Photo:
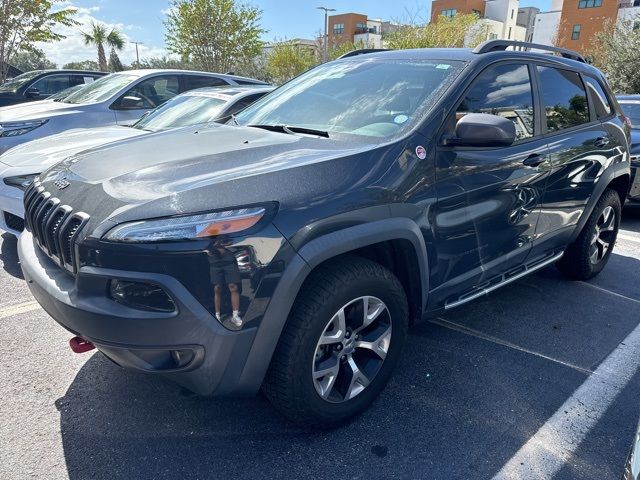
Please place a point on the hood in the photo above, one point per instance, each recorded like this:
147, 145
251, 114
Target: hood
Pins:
37, 110
215, 164
44, 152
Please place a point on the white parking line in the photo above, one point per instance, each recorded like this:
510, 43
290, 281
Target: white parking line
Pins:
592, 285
559, 438
475, 333
18, 308
629, 238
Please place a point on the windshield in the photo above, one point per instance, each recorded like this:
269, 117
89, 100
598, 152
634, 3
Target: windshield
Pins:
100, 90
373, 98
17, 82
184, 110
632, 112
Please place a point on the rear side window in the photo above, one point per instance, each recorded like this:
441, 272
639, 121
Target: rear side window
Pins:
503, 90
192, 82
564, 98
599, 98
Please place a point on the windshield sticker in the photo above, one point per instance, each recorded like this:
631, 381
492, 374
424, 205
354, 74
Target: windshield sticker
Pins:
421, 152
400, 119
443, 66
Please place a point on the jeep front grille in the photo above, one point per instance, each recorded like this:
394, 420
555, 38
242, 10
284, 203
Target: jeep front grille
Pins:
55, 227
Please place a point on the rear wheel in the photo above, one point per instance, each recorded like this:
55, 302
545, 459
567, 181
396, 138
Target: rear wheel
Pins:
341, 343
589, 253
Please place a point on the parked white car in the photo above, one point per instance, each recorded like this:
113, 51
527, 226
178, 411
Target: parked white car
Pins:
117, 99
20, 165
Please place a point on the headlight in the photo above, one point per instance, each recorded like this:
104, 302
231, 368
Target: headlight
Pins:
187, 227
13, 129
20, 181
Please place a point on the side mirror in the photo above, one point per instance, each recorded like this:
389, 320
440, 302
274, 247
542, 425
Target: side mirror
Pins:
483, 130
32, 92
130, 103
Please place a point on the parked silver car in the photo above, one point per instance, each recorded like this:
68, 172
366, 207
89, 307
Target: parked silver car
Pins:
20, 165
120, 98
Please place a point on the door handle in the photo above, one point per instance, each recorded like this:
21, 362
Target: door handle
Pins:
533, 160
601, 142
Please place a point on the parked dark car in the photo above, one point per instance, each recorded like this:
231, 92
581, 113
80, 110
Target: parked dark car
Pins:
375, 190
40, 84
631, 107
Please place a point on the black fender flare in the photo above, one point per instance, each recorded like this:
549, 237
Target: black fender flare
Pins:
601, 185
307, 258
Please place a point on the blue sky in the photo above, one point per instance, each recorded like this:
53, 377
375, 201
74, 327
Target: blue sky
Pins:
142, 20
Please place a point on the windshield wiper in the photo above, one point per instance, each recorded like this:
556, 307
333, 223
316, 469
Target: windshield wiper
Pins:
292, 130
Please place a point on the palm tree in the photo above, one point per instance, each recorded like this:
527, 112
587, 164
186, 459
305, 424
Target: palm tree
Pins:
98, 37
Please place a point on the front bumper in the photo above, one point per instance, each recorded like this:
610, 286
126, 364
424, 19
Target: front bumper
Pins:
11, 202
141, 340
634, 191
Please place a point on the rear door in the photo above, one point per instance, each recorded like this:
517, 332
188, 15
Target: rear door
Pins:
50, 84
580, 145
489, 198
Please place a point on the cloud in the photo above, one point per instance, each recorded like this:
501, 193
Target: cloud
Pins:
73, 49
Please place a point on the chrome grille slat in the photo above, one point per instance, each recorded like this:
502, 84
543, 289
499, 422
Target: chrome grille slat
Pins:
55, 227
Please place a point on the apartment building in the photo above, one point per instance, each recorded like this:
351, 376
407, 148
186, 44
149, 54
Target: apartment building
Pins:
358, 28
527, 20
499, 18
547, 25
582, 19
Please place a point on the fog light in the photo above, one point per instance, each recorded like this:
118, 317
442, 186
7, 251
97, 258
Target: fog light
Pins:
142, 296
182, 357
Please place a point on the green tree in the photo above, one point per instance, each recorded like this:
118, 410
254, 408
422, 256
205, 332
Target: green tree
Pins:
616, 51
165, 62
214, 34
25, 22
115, 65
461, 30
35, 59
83, 65
336, 51
287, 60
99, 36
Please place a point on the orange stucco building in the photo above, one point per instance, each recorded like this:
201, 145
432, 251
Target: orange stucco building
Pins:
450, 7
582, 19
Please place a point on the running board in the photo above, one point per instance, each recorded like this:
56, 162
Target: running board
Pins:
503, 280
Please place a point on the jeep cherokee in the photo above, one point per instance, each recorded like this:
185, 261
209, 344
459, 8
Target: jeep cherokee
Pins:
292, 248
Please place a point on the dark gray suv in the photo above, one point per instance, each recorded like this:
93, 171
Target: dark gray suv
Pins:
292, 248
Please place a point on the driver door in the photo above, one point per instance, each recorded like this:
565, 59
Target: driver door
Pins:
144, 96
489, 198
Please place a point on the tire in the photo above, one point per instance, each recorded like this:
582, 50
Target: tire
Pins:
580, 261
292, 384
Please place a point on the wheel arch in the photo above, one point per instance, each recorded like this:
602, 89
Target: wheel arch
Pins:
401, 243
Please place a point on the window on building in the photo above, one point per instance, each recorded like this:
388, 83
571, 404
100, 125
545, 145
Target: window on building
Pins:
564, 98
575, 33
450, 12
338, 28
512, 14
503, 90
509, 34
589, 3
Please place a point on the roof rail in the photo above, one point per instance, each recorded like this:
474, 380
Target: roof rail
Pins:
362, 51
501, 45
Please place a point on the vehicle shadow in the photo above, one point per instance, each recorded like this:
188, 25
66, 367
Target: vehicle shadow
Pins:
9, 255
631, 219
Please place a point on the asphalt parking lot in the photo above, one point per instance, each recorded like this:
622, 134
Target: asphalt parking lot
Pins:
538, 380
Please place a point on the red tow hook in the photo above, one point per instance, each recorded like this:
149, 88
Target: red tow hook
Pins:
80, 345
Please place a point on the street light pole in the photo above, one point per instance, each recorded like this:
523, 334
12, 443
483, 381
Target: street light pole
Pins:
137, 55
325, 43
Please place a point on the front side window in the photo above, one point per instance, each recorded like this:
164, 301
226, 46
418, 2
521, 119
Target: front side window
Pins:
564, 98
153, 91
361, 97
503, 90
52, 84
589, 3
575, 33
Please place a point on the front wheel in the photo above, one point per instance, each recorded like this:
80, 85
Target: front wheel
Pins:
589, 253
340, 345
